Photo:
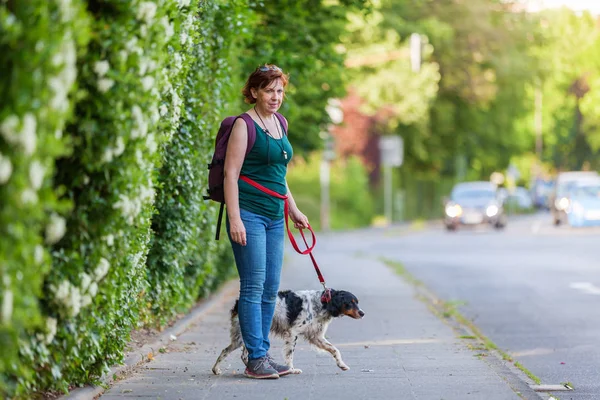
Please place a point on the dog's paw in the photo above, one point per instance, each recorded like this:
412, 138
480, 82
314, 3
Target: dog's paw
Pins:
296, 371
344, 367
216, 371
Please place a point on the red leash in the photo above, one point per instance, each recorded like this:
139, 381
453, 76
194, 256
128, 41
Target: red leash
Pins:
326, 297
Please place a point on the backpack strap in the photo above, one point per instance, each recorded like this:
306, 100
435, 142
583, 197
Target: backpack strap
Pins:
283, 122
251, 130
251, 140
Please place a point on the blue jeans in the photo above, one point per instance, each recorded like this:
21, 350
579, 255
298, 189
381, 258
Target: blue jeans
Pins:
259, 266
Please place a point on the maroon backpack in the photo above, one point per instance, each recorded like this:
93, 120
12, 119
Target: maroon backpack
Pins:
216, 168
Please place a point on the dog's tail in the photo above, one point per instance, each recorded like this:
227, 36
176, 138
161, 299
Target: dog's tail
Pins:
234, 310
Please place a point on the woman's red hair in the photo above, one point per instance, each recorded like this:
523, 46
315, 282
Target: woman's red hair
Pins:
262, 77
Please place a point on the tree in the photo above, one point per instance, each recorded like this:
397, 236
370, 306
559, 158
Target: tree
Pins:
302, 37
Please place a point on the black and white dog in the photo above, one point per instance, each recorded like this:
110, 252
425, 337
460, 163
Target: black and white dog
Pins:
299, 313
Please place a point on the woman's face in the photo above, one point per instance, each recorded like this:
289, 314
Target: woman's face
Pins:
270, 97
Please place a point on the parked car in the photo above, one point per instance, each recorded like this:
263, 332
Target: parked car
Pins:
474, 203
559, 200
584, 203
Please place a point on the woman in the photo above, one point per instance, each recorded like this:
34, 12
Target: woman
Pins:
255, 219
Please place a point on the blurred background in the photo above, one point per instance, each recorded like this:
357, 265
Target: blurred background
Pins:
473, 89
479, 119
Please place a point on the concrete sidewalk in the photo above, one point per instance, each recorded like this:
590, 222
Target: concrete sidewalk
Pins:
400, 350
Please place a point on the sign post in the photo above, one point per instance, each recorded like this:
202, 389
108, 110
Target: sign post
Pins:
336, 115
391, 149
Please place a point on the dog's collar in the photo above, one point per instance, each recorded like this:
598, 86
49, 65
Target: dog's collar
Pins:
326, 296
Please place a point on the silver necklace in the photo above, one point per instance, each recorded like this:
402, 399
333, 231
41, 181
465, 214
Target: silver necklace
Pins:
285, 154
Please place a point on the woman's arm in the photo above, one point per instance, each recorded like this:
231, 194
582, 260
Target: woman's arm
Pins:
300, 220
236, 152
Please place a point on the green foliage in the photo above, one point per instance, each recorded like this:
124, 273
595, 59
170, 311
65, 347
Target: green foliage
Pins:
570, 91
88, 184
472, 106
38, 41
351, 203
182, 263
301, 37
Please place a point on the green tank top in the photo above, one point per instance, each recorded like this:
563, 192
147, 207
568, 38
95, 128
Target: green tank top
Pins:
265, 164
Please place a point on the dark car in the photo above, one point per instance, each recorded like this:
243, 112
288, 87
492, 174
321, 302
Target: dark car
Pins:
474, 203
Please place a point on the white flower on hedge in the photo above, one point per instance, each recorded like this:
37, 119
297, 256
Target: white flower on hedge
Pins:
189, 21
67, 10
73, 301
110, 239
56, 229
28, 136
38, 254
140, 125
147, 83
169, 30
131, 44
139, 157
86, 179
9, 20
101, 68
144, 31
86, 281
129, 208
183, 38
8, 128
152, 65
123, 55
151, 143
5, 169
120, 147
102, 269
184, 3
164, 110
178, 61
108, 155
51, 325
29, 196
62, 291
93, 289
104, 84
146, 12
154, 114
7, 306
61, 84
144, 63
86, 300
147, 192
36, 174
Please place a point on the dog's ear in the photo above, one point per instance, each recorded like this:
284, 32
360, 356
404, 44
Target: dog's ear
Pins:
334, 306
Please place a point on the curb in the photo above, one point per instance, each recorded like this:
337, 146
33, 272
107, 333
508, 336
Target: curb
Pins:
519, 382
139, 356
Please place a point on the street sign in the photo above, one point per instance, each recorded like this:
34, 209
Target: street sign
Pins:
391, 149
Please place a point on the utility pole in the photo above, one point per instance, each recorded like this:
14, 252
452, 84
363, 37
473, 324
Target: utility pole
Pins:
337, 116
538, 122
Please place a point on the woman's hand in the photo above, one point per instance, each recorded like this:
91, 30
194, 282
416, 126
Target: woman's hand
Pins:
300, 221
237, 231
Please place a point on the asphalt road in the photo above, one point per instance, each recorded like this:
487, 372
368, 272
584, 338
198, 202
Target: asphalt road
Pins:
533, 289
